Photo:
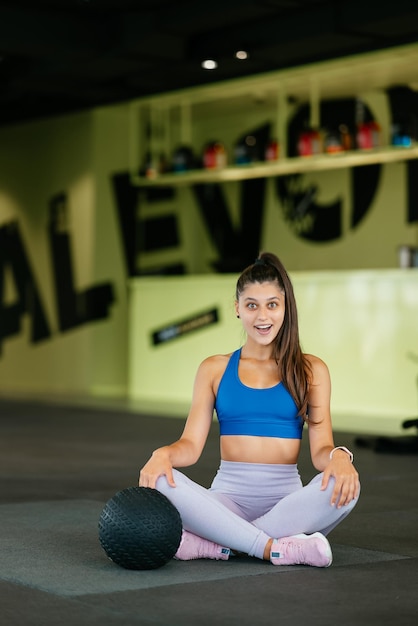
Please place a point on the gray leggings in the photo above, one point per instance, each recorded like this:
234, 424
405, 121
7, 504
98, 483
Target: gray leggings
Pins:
248, 503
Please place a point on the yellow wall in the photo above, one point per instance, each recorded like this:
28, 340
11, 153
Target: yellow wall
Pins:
372, 244
37, 161
78, 154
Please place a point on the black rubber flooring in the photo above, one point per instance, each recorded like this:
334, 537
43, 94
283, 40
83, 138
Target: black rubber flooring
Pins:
61, 463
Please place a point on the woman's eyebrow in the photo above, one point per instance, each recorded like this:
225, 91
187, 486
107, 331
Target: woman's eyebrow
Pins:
255, 299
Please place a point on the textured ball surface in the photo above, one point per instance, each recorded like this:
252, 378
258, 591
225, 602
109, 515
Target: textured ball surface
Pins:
139, 528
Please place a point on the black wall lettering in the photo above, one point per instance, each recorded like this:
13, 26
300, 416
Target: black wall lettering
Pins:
309, 219
412, 188
364, 183
403, 103
157, 233
14, 257
144, 235
236, 248
126, 196
214, 210
73, 308
252, 214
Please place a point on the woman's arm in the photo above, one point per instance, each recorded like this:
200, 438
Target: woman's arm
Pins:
321, 439
186, 450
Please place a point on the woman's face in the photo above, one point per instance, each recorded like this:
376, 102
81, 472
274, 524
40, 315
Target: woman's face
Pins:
261, 307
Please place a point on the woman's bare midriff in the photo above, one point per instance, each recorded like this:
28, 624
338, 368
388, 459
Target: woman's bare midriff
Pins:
249, 449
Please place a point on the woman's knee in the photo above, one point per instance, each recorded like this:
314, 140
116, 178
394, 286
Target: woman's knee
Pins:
162, 482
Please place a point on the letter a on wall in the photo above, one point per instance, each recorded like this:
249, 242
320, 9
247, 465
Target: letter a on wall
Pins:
13, 259
73, 308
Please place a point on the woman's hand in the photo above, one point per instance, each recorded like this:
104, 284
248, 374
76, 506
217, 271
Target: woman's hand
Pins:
347, 484
158, 465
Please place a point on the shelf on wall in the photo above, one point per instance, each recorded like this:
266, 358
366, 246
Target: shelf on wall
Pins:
282, 167
352, 77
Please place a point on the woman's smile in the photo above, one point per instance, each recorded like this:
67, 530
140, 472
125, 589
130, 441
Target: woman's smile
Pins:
264, 329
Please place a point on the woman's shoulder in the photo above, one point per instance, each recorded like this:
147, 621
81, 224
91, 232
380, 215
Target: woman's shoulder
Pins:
212, 368
216, 360
318, 367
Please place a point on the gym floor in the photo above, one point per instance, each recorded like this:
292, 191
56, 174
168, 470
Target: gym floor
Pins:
61, 462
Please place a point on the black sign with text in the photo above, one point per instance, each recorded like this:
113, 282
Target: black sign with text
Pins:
183, 327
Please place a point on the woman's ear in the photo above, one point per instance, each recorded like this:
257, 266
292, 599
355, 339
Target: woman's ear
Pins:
236, 308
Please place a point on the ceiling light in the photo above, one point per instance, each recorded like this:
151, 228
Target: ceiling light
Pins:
241, 55
209, 64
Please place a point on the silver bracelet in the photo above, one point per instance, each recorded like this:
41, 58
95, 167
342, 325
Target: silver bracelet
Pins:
350, 454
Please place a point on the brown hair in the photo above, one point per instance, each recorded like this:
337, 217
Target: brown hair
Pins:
293, 365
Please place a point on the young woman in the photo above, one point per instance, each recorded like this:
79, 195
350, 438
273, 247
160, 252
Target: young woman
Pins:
263, 394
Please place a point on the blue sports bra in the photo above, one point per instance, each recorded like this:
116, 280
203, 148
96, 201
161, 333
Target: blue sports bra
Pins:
243, 410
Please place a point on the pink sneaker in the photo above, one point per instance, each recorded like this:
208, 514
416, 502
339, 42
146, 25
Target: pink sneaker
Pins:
194, 547
302, 550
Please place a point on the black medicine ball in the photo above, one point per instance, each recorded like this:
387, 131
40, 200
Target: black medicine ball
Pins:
139, 528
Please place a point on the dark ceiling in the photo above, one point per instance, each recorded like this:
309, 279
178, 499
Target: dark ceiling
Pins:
59, 56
